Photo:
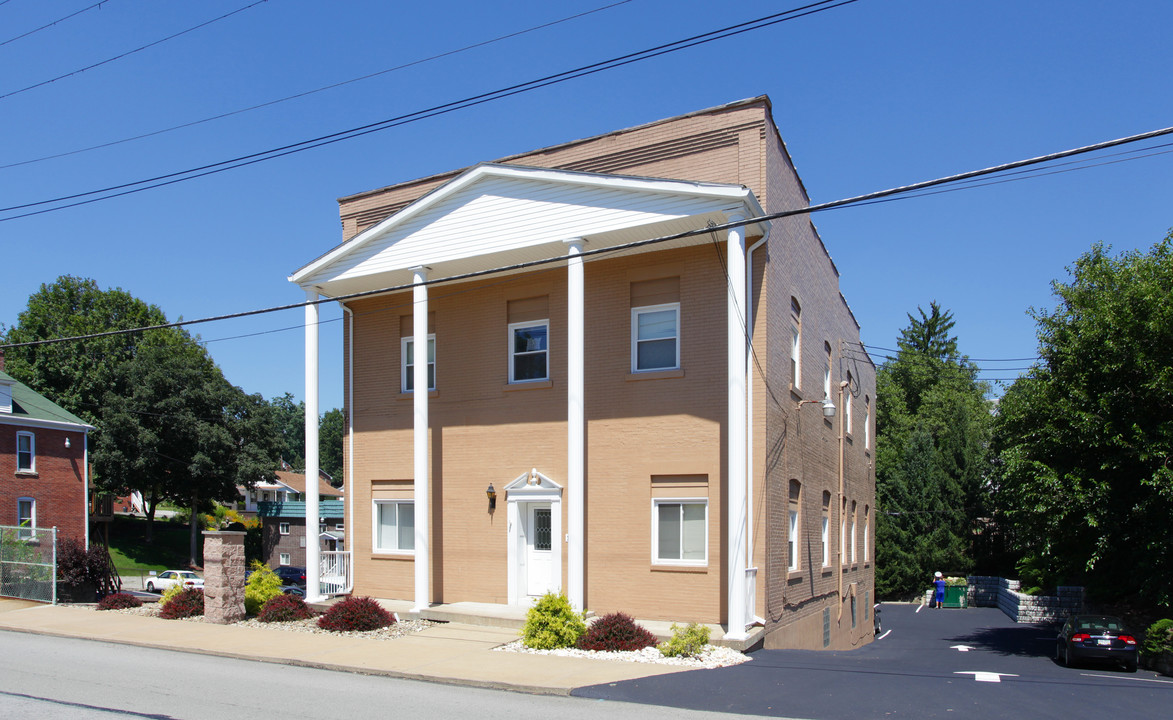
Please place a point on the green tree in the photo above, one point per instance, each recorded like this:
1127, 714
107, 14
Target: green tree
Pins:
933, 427
290, 418
330, 441
1085, 440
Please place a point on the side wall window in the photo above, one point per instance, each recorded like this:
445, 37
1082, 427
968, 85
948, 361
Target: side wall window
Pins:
26, 516
826, 529
795, 343
394, 523
827, 372
793, 548
655, 324
407, 364
26, 452
680, 531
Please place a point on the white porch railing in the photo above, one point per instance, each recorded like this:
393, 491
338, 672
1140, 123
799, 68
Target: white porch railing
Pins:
335, 574
751, 594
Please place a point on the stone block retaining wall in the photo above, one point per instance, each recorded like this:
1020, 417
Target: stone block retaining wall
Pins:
985, 591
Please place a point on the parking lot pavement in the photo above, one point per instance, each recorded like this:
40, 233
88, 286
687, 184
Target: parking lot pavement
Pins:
951, 663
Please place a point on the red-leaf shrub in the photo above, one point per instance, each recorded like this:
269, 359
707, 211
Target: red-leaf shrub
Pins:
119, 601
355, 613
189, 602
614, 632
284, 608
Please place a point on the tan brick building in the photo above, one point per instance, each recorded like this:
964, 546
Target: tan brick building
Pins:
641, 379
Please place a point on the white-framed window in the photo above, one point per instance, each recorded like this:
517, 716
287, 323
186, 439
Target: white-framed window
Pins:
843, 532
655, 337
853, 518
867, 517
795, 343
827, 372
680, 531
26, 452
407, 363
338, 526
867, 423
394, 522
26, 516
529, 351
321, 527
284, 559
283, 528
826, 544
792, 539
847, 403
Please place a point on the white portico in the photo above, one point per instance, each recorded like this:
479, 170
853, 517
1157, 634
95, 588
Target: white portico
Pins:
500, 220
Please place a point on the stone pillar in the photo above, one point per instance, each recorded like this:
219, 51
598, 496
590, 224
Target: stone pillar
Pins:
223, 576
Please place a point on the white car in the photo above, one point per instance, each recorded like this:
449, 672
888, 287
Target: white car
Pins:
170, 578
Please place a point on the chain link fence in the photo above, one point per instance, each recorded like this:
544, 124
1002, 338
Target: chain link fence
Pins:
28, 563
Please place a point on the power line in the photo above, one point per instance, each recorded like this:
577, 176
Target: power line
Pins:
306, 93
625, 246
350, 134
129, 52
954, 357
49, 25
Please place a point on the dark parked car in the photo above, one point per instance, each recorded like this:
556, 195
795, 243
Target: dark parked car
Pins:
1096, 637
291, 575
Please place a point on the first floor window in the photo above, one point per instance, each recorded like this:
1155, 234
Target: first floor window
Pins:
826, 545
681, 531
26, 452
338, 526
792, 542
26, 517
407, 352
394, 526
655, 337
284, 559
283, 528
866, 522
528, 351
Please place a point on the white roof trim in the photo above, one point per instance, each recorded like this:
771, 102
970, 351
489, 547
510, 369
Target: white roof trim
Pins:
733, 194
6, 419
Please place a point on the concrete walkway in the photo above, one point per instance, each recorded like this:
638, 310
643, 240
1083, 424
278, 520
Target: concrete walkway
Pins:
450, 653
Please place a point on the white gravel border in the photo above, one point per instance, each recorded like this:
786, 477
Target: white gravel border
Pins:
713, 656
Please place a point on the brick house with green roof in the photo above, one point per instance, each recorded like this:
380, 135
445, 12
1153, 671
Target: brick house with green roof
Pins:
44, 462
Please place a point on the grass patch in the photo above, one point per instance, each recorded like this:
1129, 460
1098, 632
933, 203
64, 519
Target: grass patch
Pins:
133, 555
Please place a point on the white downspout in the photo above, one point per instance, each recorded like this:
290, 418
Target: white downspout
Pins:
313, 558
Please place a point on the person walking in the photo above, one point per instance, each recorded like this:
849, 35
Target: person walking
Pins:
938, 590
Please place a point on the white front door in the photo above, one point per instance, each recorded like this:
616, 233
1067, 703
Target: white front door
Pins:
539, 555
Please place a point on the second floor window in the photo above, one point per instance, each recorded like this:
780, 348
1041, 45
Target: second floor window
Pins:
407, 352
26, 452
655, 337
529, 351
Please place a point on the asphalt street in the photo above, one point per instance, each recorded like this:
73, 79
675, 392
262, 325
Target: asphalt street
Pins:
950, 663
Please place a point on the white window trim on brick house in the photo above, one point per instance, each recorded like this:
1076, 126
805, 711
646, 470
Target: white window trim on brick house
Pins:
681, 502
283, 528
387, 548
283, 559
30, 517
29, 466
407, 370
792, 540
637, 340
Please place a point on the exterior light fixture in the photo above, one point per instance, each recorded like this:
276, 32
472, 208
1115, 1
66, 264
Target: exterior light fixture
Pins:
828, 408
492, 495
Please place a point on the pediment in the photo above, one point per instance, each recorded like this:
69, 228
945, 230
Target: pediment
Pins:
532, 482
495, 216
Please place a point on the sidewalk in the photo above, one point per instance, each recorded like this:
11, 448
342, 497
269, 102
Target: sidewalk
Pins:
451, 653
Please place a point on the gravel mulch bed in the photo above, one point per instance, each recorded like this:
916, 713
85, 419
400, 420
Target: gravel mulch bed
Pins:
712, 656
309, 625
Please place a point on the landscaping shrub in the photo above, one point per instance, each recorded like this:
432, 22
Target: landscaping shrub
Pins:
188, 602
262, 585
616, 632
686, 641
119, 601
552, 623
1159, 638
80, 570
355, 613
170, 593
284, 608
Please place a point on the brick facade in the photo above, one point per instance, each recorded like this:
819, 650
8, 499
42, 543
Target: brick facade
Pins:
57, 485
660, 435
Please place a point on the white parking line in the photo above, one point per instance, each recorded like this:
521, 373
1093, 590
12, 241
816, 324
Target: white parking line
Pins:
920, 607
982, 676
886, 634
1119, 677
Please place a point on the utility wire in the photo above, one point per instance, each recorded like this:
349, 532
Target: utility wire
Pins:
49, 25
129, 52
625, 246
557, 78
952, 358
306, 93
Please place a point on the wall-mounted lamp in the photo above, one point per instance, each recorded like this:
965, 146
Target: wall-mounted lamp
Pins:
492, 495
828, 406
67, 443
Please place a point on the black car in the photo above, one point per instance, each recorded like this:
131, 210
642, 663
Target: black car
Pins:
1096, 637
291, 575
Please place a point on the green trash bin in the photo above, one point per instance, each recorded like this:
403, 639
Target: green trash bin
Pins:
956, 596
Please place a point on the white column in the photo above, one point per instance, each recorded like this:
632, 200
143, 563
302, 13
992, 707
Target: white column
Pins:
575, 424
420, 437
737, 511
313, 589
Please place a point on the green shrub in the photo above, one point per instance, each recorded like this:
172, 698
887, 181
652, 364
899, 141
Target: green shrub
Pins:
1159, 638
956, 582
284, 608
616, 632
188, 602
170, 593
262, 585
552, 623
355, 614
119, 601
686, 641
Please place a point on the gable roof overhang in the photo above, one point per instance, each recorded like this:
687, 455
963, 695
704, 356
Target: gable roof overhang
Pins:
503, 216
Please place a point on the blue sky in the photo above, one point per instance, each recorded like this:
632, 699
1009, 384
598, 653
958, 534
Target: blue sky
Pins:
871, 95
